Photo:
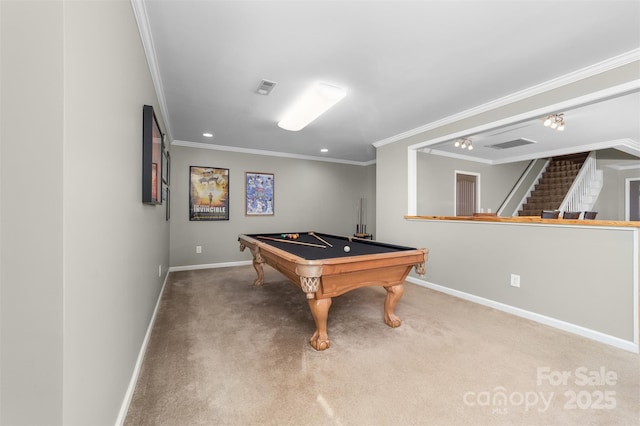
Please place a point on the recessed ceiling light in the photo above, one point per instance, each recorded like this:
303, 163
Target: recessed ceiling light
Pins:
207, 135
324, 150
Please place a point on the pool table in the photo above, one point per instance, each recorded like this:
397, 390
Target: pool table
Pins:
323, 268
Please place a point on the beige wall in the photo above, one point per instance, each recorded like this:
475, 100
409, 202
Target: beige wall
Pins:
31, 156
80, 252
611, 203
477, 259
436, 176
309, 196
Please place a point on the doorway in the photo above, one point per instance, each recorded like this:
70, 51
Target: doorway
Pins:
632, 204
467, 194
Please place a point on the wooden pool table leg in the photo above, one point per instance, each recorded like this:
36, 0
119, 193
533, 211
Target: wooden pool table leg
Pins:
320, 311
394, 293
257, 264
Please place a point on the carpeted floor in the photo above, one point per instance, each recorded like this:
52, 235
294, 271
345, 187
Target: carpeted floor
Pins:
225, 353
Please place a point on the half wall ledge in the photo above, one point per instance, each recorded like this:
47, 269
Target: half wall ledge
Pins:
582, 276
532, 219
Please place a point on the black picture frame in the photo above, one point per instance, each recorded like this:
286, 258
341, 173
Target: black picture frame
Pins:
152, 172
208, 193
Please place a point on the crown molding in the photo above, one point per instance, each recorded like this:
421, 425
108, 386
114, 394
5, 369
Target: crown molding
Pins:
623, 167
140, 13
590, 71
567, 104
267, 153
625, 145
620, 144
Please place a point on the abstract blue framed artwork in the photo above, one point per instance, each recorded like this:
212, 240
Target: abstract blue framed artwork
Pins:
259, 200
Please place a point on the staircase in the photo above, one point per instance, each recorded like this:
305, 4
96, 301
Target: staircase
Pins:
552, 188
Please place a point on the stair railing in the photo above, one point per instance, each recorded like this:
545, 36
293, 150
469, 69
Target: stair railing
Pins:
526, 192
515, 186
581, 186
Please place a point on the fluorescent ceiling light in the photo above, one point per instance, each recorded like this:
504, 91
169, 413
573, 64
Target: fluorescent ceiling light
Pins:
313, 103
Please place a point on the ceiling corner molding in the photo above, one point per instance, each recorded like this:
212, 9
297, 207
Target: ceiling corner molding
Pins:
621, 167
457, 156
201, 145
630, 147
598, 68
140, 13
619, 144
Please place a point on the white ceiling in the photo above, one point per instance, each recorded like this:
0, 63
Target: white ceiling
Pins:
404, 64
607, 123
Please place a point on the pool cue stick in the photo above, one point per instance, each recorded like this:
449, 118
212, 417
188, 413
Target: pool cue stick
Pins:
290, 242
314, 235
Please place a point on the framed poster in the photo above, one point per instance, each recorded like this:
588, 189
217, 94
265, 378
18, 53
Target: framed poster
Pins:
152, 171
208, 193
259, 194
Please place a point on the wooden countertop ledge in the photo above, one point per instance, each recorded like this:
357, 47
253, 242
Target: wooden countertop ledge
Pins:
532, 219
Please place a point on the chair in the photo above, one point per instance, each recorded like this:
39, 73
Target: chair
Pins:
590, 215
571, 215
550, 214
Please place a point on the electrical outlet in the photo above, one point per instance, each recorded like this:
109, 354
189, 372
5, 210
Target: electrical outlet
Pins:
198, 249
515, 280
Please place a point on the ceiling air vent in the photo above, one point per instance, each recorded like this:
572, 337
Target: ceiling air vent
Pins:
265, 87
511, 144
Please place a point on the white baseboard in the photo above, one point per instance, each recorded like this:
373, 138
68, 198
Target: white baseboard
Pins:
210, 265
631, 346
124, 408
628, 345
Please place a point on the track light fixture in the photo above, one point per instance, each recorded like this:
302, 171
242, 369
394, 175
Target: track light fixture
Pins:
555, 121
464, 143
